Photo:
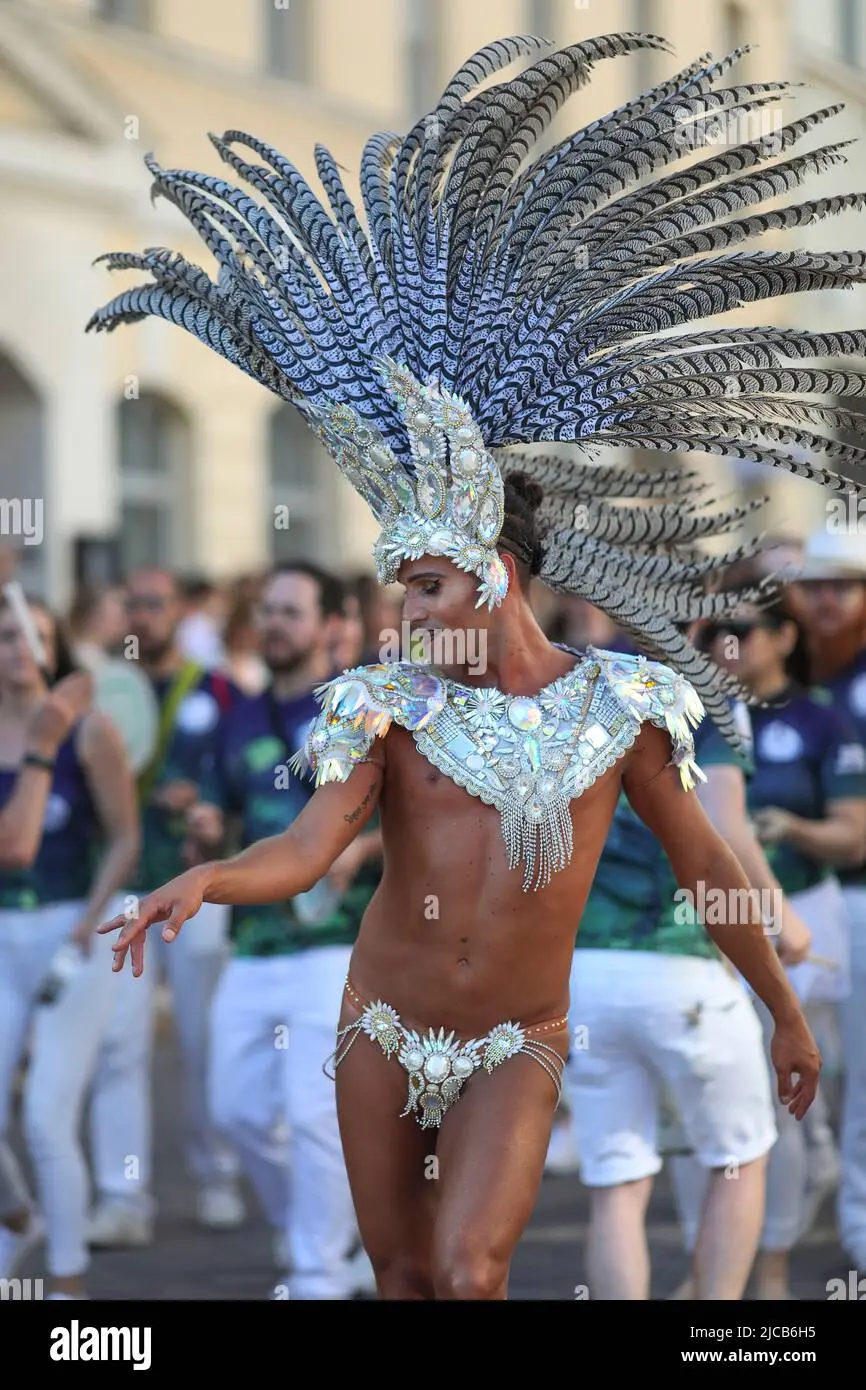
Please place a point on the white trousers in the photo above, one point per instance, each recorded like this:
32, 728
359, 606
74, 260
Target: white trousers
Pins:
121, 1109
802, 1152
641, 1022
852, 1190
274, 1025
64, 1040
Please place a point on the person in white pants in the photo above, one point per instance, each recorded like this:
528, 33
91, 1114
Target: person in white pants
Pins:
852, 1188
190, 701
830, 596
70, 838
278, 1001
656, 1012
121, 1110
807, 799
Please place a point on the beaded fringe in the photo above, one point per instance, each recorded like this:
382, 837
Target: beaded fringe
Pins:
544, 846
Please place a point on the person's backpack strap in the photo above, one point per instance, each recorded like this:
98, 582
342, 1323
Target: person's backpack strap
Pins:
188, 676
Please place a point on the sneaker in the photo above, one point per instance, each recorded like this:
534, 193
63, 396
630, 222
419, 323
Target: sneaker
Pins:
115, 1227
362, 1280
562, 1156
220, 1208
15, 1247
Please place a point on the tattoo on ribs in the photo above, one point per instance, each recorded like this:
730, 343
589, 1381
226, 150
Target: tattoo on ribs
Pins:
353, 815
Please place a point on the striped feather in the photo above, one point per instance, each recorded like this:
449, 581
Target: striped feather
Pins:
575, 294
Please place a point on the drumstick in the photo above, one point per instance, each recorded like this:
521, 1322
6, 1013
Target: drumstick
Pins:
14, 596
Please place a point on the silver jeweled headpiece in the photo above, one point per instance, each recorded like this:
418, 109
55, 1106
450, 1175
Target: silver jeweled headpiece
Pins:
450, 503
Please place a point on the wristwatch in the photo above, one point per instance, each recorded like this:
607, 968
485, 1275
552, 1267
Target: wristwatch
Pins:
37, 760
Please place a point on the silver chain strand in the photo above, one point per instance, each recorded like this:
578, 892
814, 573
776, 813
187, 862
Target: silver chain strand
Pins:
438, 1066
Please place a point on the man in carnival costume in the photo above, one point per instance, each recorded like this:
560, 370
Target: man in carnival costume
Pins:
490, 302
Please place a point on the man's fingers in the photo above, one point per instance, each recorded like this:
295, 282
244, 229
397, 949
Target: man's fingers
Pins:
137, 954
174, 924
785, 1084
113, 925
807, 1086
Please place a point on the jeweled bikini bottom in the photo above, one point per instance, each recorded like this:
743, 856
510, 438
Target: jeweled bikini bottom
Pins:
437, 1064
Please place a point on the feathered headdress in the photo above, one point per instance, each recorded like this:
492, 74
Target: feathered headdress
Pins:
494, 301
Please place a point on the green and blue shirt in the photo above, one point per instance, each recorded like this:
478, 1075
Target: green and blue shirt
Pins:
848, 691
189, 757
807, 754
71, 838
252, 782
632, 905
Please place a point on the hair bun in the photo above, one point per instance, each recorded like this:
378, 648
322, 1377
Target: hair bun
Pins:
526, 488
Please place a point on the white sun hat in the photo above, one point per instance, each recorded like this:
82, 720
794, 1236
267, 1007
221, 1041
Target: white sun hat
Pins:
837, 554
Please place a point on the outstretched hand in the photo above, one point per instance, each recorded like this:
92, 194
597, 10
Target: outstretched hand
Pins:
173, 904
794, 1052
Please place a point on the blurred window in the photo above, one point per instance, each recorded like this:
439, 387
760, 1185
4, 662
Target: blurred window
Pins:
299, 468
153, 455
646, 21
540, 20
421, 64
733, 30
134, 12
288, 32
850, 17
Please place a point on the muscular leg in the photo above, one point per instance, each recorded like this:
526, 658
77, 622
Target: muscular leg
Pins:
491, 1151
392, 1181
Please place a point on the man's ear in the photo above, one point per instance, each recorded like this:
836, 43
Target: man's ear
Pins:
510, 564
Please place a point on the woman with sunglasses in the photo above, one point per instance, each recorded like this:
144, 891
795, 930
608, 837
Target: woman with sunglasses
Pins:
69, 850
807, 801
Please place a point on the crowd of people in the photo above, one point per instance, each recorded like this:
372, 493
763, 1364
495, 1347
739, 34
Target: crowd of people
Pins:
102, 799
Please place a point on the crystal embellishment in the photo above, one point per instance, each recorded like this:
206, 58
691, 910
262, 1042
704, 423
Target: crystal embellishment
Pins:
437, 1065
380, 1023
529, 756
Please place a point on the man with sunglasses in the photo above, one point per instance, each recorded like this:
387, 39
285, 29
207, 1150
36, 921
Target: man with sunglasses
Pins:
274, 1011
830, 599
191, 700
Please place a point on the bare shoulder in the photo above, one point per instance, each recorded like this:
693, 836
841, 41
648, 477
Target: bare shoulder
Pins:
648, 757
98, 738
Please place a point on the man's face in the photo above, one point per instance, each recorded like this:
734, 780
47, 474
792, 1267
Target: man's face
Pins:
831, 607
347, 648
290, 622
440, 597
153, 611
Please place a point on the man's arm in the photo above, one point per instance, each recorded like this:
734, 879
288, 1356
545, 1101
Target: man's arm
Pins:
279, 867
838, 840
700, 858
285, 865
21, 820
723, 797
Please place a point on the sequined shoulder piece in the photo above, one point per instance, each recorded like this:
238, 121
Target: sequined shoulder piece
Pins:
656, 694
359, 706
